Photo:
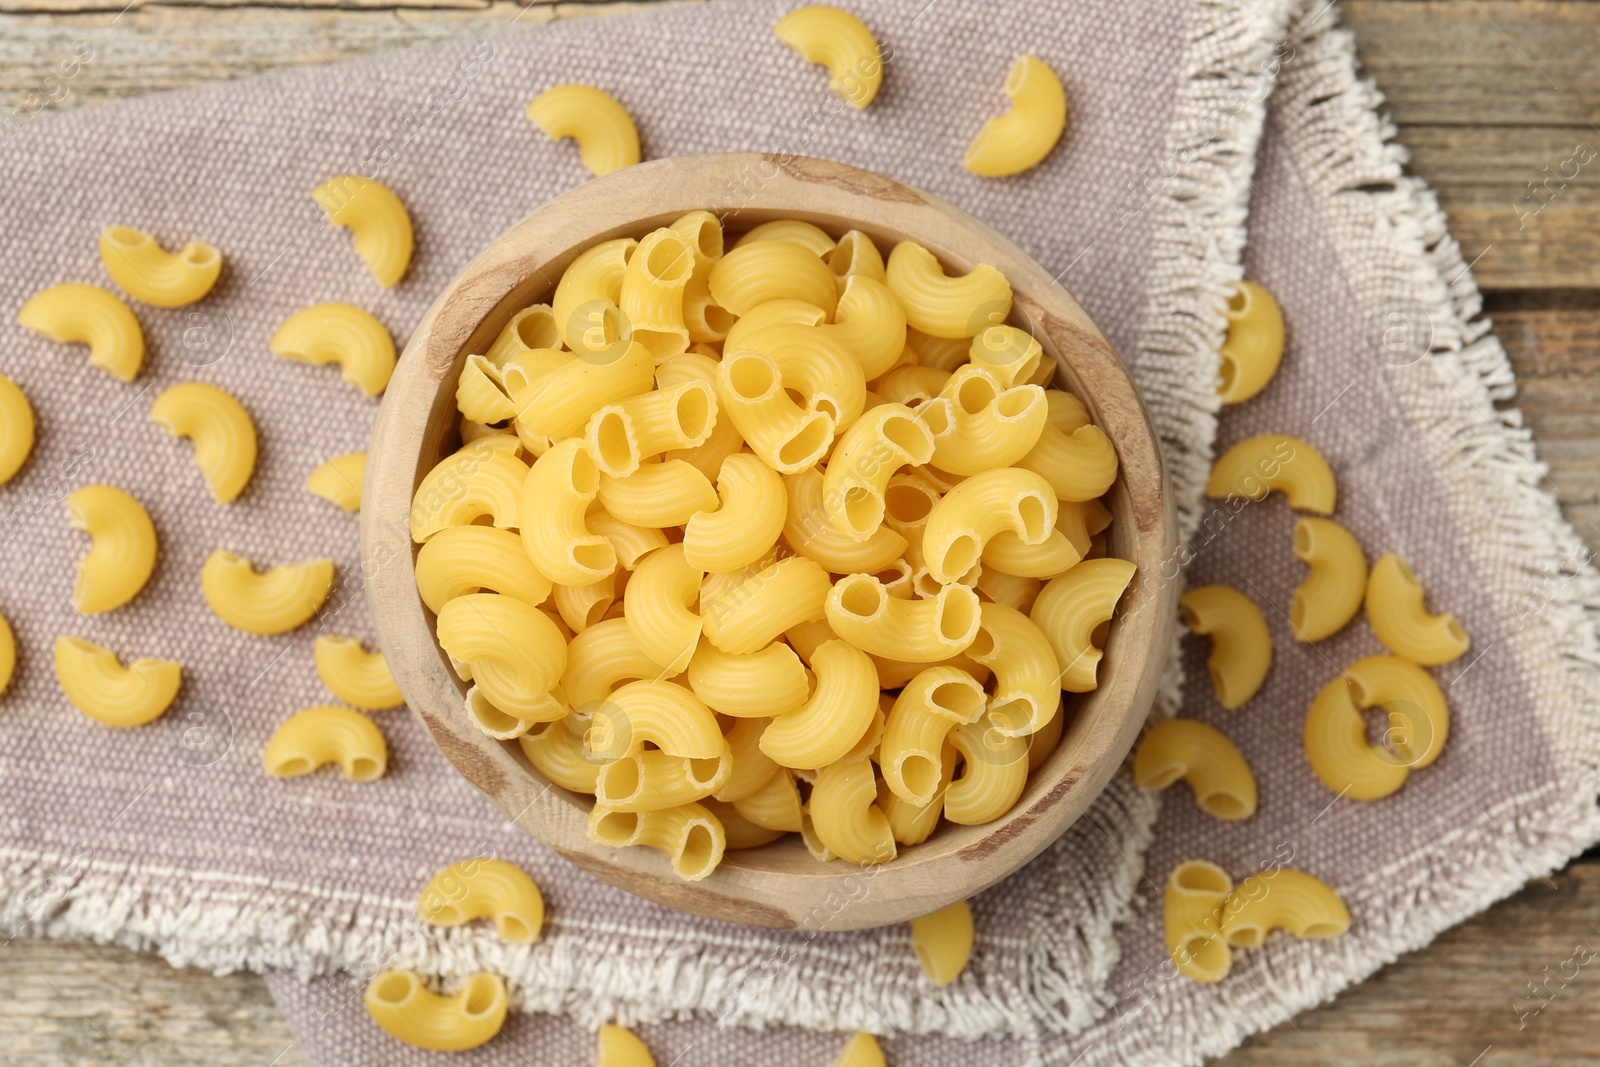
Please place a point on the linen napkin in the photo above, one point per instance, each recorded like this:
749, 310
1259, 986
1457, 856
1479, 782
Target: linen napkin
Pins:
170, 837
1390, 371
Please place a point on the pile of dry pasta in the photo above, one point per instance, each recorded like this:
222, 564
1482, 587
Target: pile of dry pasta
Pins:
783, 537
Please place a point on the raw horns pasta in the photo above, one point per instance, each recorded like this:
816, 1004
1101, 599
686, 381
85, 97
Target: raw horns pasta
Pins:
710, 577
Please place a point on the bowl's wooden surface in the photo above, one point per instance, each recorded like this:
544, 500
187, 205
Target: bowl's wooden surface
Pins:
779, 885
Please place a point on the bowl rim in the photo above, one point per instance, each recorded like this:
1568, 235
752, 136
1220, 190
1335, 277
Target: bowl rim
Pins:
764, 887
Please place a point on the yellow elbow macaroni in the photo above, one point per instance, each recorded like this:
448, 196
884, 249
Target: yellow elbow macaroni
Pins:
1418, 724
861, 1051
376, 219
98, 685
1022, 137
1200, 755
685, 555
87, 314
839, 41
836, 715
1241, 645
224, 436
939, 304
354, 675
342, 334
752, 506
845, 814
1269, 463
620, 1048
943, 942
339, 480
606, 136
147, 272
409, 1011
688, 835
283, 598
16, 429
8, 654
1282, 899
482, 888
325, 735
1191, 920
1254, 347
1398, 616
1335, 583
122, 554
1071, 608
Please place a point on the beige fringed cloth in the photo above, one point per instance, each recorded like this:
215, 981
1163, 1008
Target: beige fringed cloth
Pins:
1193, 123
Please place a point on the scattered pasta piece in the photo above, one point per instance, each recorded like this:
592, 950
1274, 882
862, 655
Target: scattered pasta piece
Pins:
1260, 465
354, 675
339, 480
123, 550
8, 654
861, 1051
318, 736
1336, 743
224, 436
1335, 584
410, 1012
1282, 899
1396, 611
482, 888
275, 602
103, 689
839, 41
90, 315
1254, 346
1199, 754
16, 429
621, 1048
1191, 920
376, 219
341, 334
1022, 137
1241, 644
943, 942
147, 272
606, 136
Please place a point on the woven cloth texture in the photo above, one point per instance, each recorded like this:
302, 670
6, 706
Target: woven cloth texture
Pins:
1391, 372
187, 848
175, 840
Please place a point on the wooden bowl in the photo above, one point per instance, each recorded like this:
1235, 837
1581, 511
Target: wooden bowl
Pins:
779, 885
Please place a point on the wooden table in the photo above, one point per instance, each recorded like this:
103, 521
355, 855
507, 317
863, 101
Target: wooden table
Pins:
1490, 95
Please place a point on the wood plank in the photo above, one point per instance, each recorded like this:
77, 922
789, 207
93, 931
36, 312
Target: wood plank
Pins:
1482, 62
154, 48
1524, 200
1555, 352
70, 1003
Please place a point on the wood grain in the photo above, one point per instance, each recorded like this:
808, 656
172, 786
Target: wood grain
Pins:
68, 1002
1487, 94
